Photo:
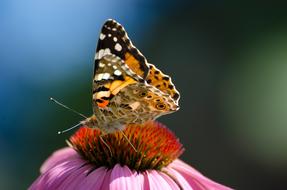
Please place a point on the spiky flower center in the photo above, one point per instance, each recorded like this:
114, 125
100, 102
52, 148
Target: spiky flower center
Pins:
156, 146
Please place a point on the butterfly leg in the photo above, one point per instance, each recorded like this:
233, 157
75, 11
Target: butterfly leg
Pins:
129, 141
110, 150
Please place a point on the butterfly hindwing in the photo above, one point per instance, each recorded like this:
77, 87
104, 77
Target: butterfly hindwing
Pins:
141, 101
114, 40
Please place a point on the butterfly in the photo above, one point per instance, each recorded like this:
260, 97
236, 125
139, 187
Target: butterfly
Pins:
126, 88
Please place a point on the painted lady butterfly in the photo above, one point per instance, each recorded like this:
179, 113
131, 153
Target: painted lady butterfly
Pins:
126, 89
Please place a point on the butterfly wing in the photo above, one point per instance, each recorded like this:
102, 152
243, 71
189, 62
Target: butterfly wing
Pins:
111, 76
140, 102
125, 86
114, 40
162, 82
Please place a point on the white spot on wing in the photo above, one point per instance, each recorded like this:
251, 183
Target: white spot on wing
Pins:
109, 35
118, 47
115, 39
102, 36
103, 94
101, 64
102, 52
114, 67
117, 72
99, 77
114, 60
107, 51
106, 76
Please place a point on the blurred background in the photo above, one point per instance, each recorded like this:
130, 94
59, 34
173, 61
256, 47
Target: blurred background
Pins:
228, 60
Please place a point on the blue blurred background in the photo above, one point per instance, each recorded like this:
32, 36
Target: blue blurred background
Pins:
228, 60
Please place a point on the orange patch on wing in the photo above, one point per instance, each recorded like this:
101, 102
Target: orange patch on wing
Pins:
161, 82
133, 64
107, 85
117, 85
103, 104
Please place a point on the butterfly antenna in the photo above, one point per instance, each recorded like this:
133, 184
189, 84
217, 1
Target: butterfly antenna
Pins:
64, 131
129, 141
106, 145
64, 106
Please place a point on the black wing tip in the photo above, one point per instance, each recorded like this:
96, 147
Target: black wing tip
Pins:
113, 26
111, 22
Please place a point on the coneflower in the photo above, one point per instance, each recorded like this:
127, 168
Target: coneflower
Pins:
89, 164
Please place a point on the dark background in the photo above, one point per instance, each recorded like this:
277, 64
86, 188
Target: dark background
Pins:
227, 58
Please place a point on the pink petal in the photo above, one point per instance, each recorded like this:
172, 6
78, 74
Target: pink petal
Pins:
169, 180
106, 181
55, 176
74, 177
65, 169
58, 157
142, 180
71, 175
157, 182
181, 180
95, 179
179, 162
194, 178
123, 178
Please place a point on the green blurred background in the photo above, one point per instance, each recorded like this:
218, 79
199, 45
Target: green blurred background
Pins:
228, 60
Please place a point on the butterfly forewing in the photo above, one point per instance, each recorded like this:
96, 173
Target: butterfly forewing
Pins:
111, 76
162, 82
114, 39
